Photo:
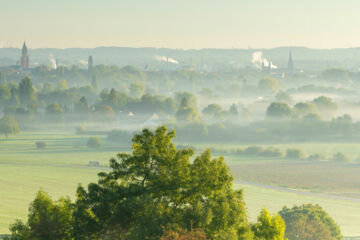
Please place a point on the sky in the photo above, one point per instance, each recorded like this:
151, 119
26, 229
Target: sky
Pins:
183, 24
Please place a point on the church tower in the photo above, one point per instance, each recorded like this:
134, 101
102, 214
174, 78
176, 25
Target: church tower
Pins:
24, 60
90, 63
290, 64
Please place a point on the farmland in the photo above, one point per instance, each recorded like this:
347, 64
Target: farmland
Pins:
24, 169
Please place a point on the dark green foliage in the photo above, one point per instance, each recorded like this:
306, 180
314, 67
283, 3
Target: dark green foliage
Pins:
325, 104
156, 186
95, 82
95, 142
213, 110
253, 150
309, 222
186, 111
233, 110
339, 157
316, 157
40, 145
26, 91
9, 125
294, 153
261, 152
304, 109
82, 110
47, 220
136, 89
278, 110
54, 112
181, 234
4, 94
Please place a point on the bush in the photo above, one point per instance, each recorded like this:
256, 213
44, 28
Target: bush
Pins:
309, 222
294, 153
272, 152
94, 142
40, 145
278, 110
80, 130
339, 157
316, 157
253, 150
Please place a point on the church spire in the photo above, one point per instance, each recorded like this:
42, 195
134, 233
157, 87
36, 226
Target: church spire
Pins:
24, 49
24, 61
290, 63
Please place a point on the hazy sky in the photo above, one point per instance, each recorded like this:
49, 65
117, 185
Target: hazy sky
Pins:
180, 23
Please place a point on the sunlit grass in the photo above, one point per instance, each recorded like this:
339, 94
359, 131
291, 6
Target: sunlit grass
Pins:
63, 164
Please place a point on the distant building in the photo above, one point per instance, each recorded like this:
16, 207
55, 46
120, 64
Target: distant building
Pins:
24, 60
266, 69
290, 68
90, 63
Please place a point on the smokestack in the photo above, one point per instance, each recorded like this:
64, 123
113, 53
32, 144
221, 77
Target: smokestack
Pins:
167, 63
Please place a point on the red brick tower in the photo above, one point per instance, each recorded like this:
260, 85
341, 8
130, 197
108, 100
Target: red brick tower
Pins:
24, 61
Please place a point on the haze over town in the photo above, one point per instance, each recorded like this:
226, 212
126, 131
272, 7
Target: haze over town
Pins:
179, 120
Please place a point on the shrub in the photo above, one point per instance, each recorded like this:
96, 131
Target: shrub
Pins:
309, 222
272, 152
278, 110
315, 157
339, 157
294, 153
94, 142
253, 150
80, 130
40, 145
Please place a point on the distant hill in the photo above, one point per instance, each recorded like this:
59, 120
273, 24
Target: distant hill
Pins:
215, 59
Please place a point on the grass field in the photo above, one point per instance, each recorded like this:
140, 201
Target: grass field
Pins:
60, 167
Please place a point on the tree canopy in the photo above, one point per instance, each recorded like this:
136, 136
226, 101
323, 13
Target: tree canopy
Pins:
9, 125
309, 222
158, 184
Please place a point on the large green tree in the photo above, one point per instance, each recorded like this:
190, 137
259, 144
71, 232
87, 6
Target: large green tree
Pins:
26, 91
186, 111
157, 187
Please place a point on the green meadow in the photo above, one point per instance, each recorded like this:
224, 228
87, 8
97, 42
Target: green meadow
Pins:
64, 163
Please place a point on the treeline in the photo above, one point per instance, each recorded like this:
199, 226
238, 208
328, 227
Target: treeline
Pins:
290, 153
156, 192
106, 76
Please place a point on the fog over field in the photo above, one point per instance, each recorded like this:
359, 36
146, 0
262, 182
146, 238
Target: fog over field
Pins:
158, 120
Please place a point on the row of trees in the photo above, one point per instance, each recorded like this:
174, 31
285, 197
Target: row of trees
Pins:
320, 106
156, 192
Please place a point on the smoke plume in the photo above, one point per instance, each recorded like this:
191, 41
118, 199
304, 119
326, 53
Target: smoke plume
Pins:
258, 60
52, 62
165, 59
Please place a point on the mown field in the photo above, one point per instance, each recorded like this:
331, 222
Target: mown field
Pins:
64, 163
